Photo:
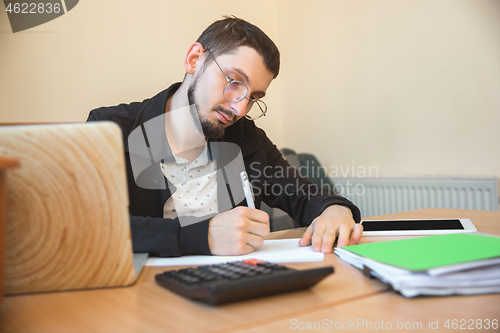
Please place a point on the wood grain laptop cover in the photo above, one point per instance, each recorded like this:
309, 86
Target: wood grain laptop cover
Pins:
67, 223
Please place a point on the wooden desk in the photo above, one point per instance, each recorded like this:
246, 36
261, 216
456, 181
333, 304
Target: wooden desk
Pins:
390, 307
147, 307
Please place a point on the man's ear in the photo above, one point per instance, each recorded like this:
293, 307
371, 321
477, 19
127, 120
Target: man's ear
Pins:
193, 57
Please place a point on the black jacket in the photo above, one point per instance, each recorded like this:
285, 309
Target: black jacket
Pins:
272, 178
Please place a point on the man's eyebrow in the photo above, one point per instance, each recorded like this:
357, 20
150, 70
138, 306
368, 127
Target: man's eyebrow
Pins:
247, 81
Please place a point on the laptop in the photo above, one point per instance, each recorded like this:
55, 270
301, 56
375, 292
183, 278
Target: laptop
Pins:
67, 225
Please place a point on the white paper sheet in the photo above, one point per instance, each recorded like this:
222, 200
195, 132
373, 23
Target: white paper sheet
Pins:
276, 250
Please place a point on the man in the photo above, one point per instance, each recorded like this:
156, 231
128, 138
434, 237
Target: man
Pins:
188, 131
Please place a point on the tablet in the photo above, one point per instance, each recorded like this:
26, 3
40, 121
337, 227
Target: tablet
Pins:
417, 227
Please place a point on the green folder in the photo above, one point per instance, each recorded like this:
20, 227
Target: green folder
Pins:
418, 254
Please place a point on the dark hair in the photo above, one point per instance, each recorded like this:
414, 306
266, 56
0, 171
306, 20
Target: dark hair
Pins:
226, 35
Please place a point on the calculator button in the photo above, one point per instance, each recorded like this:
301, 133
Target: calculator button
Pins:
253, 261
189, 279
239, 264
258, 269
207, 277
216, 271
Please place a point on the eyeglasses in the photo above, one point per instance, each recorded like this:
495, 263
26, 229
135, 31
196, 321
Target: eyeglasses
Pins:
235, 91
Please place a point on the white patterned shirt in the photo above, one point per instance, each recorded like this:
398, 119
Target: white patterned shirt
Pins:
196, 183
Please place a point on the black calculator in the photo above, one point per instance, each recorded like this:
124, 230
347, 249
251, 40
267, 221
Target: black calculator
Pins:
235, 281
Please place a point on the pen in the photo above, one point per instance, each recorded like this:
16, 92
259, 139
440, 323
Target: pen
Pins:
247, 188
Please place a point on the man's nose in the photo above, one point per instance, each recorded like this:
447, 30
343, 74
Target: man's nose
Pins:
240, 107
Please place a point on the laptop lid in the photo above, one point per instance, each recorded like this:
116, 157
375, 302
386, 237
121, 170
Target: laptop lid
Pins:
67, 223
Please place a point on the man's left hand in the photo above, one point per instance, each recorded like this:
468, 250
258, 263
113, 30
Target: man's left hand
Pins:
335, 222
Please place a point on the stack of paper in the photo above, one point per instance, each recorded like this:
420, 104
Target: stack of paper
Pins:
436, 265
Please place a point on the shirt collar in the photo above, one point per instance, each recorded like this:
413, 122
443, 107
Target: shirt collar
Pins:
201, 160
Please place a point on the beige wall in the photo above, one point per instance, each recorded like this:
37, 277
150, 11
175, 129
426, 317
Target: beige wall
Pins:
408, 86
110, 52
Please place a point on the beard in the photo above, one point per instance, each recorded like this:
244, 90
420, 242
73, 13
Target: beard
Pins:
211, 129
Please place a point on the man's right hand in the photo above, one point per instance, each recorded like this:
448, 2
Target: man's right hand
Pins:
237, 231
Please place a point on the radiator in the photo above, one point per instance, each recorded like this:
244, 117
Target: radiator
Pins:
386, 195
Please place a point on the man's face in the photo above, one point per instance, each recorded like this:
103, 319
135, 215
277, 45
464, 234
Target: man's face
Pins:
206, 91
